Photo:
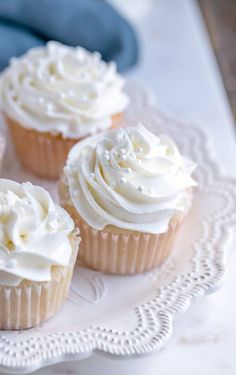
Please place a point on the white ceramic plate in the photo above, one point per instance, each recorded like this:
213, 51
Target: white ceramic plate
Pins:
124, 316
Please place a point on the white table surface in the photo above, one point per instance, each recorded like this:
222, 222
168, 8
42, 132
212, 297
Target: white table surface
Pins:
177, 64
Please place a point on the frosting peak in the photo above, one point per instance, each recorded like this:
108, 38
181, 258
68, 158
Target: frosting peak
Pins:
62, 90
33, 233
129, 178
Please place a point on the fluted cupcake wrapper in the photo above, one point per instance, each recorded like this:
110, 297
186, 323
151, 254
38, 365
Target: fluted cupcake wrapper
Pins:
42, 153
117, 251
31, 303
124, 254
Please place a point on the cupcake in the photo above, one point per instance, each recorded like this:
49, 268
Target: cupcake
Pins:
128, 191
54, 96
38, 248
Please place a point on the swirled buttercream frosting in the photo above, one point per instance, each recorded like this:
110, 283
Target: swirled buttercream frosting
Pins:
129, 178
33, 233
62, 90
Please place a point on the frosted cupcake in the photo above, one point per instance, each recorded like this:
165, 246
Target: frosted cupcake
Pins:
54, 96
38, 248
128, 191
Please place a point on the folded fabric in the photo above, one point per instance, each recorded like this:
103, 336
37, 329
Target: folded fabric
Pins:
92, 24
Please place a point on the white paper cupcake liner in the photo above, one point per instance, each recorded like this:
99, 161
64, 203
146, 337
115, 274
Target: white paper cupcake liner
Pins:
31, 303
42, 153
124, 254
116, 251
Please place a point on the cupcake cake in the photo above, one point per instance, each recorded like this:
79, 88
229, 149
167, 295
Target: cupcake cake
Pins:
38, 248
54, 96
128, 191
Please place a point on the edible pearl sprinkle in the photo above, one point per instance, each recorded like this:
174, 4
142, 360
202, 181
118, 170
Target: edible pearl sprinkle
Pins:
53, 223
12, 263
62, 95
123, 180
49, 106
107, 157
139, 149
41, 99
123, 151
123, 157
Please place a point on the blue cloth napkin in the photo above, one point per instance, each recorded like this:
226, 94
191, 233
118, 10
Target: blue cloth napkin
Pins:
92, 24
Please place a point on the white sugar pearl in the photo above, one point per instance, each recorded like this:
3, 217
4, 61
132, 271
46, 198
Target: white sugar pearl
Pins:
41, 99
123, 157
53, 224
107, 157
12, 263
123, 180
139, 150
49, 106
123, 151
62, 95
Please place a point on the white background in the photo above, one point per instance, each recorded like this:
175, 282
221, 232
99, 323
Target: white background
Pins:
178, 66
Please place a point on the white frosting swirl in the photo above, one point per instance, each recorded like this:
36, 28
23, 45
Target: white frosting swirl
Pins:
129, 178
33, 233
62, 90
